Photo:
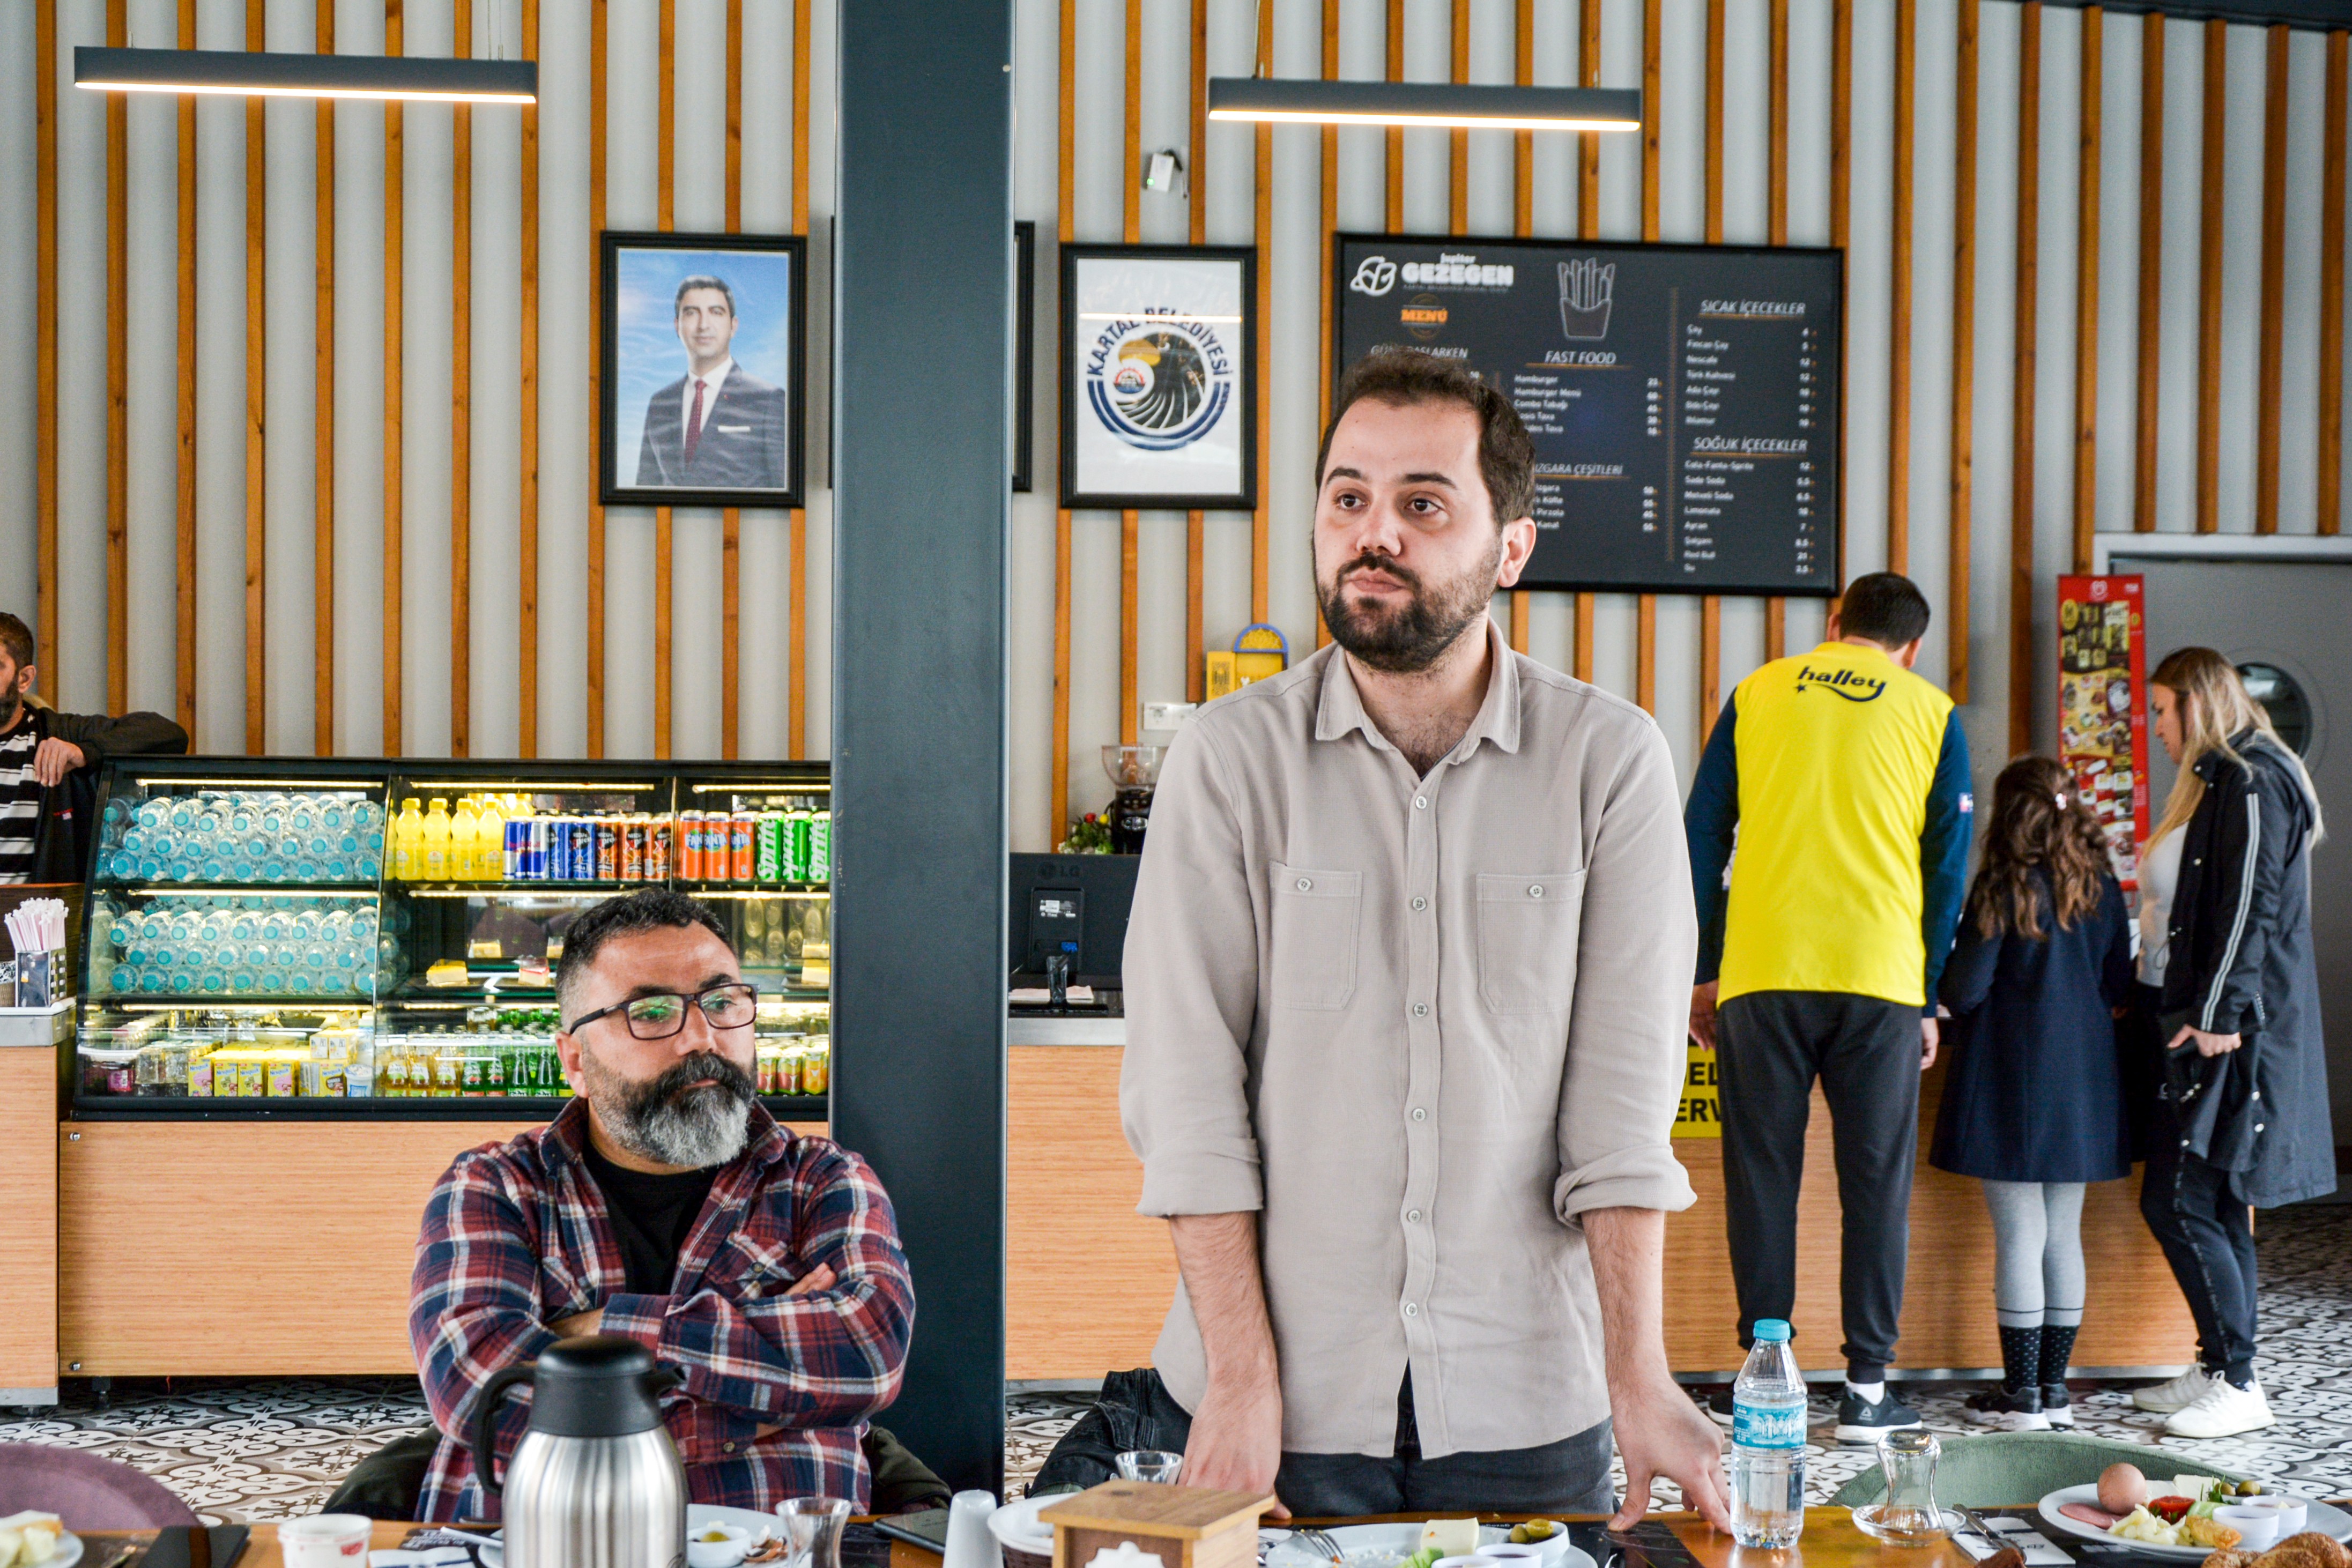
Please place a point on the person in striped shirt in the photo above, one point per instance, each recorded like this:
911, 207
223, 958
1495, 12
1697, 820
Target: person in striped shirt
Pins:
48, 767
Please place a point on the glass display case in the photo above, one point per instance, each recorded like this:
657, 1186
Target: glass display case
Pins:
351, 938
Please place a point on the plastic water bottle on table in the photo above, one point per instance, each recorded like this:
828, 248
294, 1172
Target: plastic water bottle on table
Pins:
1767, 1442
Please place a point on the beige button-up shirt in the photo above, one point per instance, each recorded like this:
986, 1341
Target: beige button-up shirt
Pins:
1421, 1024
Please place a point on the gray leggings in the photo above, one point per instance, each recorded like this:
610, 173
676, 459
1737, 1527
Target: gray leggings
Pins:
2037, 1233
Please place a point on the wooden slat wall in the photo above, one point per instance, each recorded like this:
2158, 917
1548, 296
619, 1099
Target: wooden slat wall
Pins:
44, 349
796, 543
526, 369
1067, 100
2150, 196
1898, 322
1960, 553
2027, 317
731, 519
257, 403
2331, 289
322, 399
598, 62
2087, 290
2272, 422
664, 539
1262, 520
394, 180
1131, 522
2268, 390
2209, 281
118, 378
461, 402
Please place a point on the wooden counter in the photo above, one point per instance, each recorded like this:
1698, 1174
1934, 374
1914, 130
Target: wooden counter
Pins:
1072, 1185
28, 1224
244, 1249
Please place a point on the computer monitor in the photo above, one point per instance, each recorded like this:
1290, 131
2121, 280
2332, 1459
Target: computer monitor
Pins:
1073, 904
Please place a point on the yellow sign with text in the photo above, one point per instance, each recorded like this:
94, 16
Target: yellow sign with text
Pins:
1700, 1114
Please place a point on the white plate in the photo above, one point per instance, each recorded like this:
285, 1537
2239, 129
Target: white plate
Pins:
2327, 1521
697, 1514
1386, 1545
67, 1553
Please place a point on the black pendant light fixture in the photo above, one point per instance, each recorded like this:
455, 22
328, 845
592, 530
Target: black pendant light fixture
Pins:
257, 74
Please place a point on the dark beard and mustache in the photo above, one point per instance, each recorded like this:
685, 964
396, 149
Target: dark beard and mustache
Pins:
672, 1117
1410, 638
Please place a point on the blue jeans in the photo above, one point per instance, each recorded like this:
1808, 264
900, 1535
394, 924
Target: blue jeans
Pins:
1136, 1411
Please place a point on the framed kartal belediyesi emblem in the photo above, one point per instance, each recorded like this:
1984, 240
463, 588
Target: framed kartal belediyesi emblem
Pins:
1158, 377
704, 395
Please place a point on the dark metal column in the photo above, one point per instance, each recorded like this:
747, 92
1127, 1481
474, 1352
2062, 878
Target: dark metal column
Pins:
921, 411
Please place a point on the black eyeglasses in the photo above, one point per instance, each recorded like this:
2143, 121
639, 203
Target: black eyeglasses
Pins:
657, 1015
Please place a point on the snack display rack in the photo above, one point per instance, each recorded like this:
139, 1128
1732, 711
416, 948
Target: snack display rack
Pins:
272, 938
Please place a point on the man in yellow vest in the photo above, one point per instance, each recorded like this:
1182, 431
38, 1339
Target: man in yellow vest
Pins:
1843, 778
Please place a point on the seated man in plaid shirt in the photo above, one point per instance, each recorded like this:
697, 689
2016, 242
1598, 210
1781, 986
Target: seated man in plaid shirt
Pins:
666, 1205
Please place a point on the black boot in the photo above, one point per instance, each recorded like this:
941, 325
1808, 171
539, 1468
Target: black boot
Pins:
2016, 1405
2057, 1351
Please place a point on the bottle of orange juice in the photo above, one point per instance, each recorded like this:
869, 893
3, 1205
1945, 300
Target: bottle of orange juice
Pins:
461, 842
435, 840
489, 841
408, 842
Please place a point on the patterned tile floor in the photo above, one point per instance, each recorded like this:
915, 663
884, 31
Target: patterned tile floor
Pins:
250, 1450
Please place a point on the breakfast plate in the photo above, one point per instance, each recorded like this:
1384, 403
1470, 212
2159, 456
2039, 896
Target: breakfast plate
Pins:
2322, 1516
1387, 1545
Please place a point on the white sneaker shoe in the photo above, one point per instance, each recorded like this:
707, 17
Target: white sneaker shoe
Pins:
2178, 1393
2223, 1410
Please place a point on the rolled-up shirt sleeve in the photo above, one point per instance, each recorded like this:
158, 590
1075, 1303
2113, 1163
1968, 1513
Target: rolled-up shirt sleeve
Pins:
1191, 971
1637, 940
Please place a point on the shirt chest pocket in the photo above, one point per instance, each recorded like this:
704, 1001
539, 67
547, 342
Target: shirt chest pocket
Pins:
1526, 939
1315, 914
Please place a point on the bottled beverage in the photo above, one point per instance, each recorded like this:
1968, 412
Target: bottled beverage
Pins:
462, 827
489, 841
408, 842
435, 840
1768, 1443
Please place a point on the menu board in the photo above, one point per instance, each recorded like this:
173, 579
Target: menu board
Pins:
1682, 399
2102, 706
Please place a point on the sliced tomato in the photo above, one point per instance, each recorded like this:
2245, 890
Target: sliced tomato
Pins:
2171, 1510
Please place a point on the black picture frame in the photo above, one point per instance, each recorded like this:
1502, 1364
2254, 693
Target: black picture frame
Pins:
1072, 351
612, 244
1024, 354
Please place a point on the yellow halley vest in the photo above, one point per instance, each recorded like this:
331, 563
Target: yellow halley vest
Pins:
1837, 753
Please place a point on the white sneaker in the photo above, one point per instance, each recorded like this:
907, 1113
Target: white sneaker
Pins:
2180, 1393
2223, 1410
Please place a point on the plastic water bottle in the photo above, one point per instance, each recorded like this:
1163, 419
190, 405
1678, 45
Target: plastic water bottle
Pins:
1768, 1443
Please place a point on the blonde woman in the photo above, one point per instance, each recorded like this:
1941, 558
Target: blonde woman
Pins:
2242, 1119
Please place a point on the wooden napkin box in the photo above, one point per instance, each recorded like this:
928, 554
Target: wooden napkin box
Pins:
1184, 1527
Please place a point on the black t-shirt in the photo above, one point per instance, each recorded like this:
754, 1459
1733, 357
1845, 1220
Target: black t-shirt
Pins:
652, 1216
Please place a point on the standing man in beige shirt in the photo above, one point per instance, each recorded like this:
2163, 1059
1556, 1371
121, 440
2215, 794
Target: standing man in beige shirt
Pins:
1406, 995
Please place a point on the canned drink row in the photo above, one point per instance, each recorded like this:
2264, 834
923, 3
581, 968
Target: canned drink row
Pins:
794, 845
619, 847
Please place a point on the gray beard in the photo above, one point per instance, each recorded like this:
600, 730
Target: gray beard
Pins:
695, 1128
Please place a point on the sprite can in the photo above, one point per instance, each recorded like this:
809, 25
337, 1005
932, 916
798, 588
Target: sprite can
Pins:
768, 848
820, 860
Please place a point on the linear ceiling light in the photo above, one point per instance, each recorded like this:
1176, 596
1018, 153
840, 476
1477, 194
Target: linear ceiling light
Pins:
240, 74
1474, 106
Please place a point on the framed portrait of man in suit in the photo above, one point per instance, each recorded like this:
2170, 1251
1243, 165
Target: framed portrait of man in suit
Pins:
705, 370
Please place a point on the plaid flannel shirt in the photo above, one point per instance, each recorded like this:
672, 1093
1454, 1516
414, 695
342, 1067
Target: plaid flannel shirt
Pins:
515, 1236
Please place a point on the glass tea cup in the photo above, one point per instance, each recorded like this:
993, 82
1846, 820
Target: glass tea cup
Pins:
1908, 1515
1156, 1465
812, 1529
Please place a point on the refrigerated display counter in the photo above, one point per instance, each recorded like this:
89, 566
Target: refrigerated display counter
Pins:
297, 974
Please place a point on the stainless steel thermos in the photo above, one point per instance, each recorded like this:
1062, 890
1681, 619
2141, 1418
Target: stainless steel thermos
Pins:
595, 1482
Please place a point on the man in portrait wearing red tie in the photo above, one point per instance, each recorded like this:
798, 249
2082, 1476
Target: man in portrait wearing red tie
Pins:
716, 427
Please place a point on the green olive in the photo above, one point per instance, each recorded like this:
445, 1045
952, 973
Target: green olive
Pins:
1541, 1529
2249, 1489
1518, 1535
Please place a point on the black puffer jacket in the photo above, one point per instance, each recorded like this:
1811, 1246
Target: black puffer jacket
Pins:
2240, 961
70, 810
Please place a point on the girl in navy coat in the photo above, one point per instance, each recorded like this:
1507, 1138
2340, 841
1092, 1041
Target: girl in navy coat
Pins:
2033, 1103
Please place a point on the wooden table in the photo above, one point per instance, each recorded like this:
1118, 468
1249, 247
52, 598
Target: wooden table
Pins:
1830, 1541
